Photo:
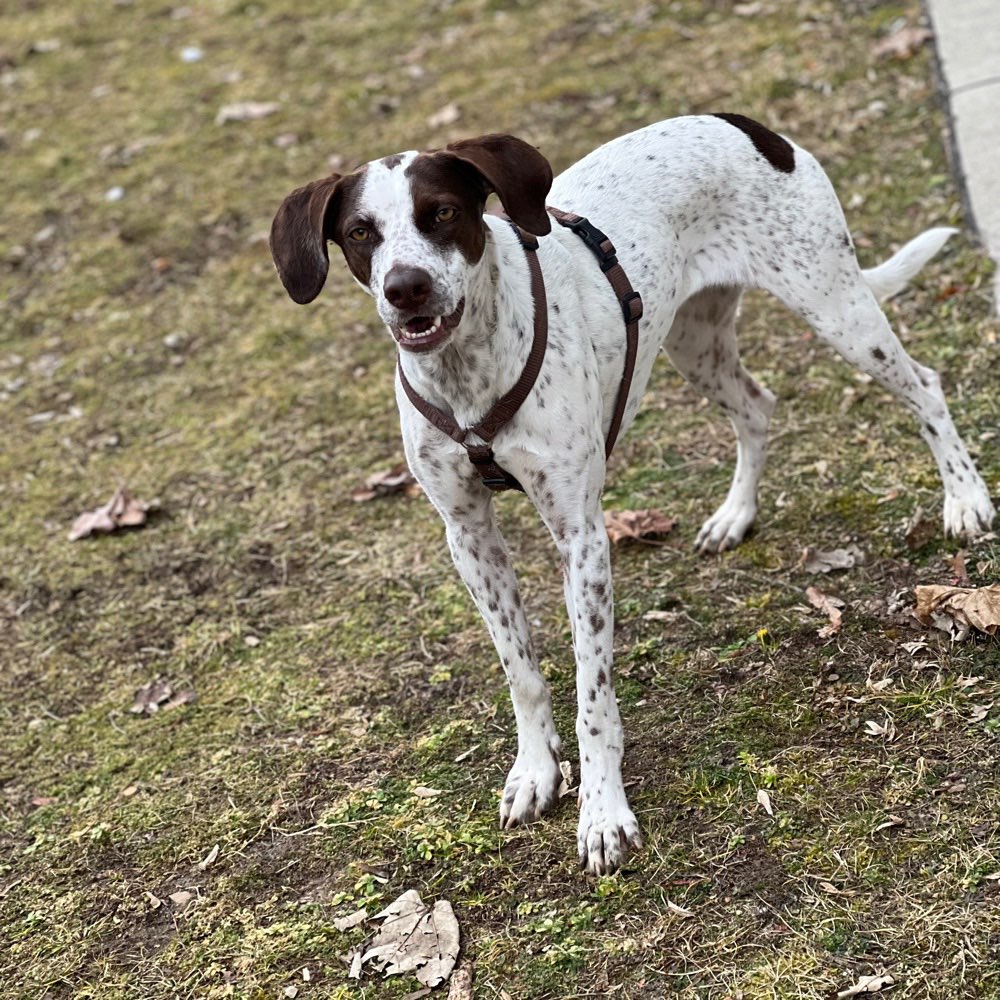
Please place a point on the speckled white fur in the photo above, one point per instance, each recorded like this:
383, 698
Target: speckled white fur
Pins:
696, 214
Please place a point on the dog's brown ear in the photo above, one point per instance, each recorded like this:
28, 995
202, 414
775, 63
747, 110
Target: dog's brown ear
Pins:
299, 235
516, 171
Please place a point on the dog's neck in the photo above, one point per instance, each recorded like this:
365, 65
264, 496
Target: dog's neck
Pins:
488, 349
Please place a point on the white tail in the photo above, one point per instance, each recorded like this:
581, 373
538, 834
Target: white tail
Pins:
892, 277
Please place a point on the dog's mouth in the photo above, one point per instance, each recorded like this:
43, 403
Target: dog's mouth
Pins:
422, 333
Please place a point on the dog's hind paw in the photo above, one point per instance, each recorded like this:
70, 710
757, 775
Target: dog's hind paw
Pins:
607, 831
968, 515
531, 788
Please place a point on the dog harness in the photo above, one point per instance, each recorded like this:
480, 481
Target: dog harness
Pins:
481, 455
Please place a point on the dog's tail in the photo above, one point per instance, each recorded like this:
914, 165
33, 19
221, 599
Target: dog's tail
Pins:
894, 275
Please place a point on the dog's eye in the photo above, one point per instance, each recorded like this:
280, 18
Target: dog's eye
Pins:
359, 234
445, 214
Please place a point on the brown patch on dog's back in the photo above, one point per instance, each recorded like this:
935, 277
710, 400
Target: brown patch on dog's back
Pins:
776, 150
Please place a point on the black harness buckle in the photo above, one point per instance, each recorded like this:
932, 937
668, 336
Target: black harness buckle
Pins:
597, 243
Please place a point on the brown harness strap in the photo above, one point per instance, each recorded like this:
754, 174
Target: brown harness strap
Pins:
628, 298
481, 455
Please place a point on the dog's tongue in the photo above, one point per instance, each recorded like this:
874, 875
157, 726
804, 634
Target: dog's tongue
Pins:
419, 324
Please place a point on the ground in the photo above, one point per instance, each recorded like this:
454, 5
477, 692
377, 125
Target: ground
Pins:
337, 663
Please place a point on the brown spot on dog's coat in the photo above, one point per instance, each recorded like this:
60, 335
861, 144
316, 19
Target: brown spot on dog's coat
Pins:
776, 150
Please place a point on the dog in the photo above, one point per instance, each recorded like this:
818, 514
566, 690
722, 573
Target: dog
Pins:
698, 208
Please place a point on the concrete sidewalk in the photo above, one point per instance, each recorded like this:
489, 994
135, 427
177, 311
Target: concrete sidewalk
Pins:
967, 34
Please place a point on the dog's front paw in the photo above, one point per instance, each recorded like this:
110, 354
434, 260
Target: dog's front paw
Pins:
608, 829
726, 527
532, 786
969, 514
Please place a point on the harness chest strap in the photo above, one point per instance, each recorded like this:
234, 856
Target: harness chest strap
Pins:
481, 455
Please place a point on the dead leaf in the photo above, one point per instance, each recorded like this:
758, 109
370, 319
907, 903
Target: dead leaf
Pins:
422, 792
291, 992
398, 479
867, 984
566, 784
415, 938
902, 43
209, 858
679, 910
447, 115
461, 984
830, 606
121, 511
886, 729
637, 525
818, 561
154, 901
979, 712
765, 800
920, 530
159, 695
892, 821
958, 610
351, 920
959, 570
355, 970
245, 111
181, 898
43, 800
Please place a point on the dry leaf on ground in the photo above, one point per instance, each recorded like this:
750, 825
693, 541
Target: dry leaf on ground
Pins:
818, 561
764, 799
920, 530
566, 782
891, 822
398, 479
415, 938
245, 111
461, 984
447, 115
637, 525
901, 44
830, 606
680, 911
159, 695
423, 792
958, 610
351, 920
121, 511
959, 569
209, 858
867, 984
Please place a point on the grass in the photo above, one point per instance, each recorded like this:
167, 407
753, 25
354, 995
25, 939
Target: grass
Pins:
337, 662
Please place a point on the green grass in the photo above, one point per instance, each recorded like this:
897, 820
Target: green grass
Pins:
337, 661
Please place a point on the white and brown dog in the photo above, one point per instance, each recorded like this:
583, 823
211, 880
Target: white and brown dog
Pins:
698, 208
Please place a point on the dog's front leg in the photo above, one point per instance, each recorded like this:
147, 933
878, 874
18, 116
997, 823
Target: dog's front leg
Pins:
481, 557
607, 825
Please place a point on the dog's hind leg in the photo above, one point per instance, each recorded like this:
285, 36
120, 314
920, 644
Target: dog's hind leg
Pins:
845, 313
702, 345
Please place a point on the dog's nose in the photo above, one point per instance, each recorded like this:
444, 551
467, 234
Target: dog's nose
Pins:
407, 288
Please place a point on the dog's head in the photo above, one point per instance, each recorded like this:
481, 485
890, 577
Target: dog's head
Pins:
410, 226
